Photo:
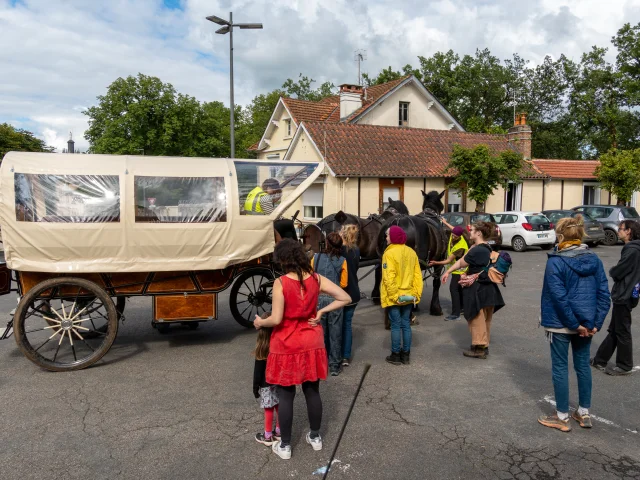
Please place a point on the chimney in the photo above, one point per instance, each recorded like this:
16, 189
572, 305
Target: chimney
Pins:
519, 136
70, 144
350, 99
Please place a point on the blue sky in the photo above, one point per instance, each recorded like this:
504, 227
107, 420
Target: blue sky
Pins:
64, 53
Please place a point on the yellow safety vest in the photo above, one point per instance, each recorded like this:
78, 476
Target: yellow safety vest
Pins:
461, 244
252, 203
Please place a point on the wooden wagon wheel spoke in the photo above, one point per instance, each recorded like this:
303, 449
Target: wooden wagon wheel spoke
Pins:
68, 321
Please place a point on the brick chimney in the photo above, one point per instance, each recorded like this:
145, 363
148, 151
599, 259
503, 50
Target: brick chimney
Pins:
520, 136
350, 99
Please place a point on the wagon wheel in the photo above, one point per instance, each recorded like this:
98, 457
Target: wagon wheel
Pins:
251, 295
120, 305
53, 333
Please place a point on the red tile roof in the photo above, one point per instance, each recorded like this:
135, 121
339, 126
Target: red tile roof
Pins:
568, 169
306, 111
377, 151
374, 93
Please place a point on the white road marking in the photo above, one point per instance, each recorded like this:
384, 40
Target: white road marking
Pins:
549, 399
323, 470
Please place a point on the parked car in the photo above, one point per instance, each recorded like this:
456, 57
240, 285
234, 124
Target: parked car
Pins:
610, 217
465, 219
594, 233
525, 229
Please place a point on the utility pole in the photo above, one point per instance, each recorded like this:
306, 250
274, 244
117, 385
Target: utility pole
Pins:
360, 56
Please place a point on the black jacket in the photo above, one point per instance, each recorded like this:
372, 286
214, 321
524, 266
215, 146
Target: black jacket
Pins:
353, 263
626, 273
259, 377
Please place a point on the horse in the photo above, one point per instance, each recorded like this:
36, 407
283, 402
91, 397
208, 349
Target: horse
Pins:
426, 236
424, 232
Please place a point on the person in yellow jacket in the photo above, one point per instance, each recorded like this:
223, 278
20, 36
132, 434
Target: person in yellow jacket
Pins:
400, 289
456, 249
263, 200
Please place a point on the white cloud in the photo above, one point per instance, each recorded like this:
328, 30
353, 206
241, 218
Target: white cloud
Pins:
63, 53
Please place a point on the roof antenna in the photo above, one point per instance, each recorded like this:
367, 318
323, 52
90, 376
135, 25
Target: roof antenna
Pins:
360, 56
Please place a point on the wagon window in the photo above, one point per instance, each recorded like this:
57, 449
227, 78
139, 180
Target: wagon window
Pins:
67, 198
262, 185
180, 199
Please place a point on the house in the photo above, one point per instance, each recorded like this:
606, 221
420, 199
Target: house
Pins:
394, 140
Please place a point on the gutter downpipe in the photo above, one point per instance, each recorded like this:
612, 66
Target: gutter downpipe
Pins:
343, 192
359, 187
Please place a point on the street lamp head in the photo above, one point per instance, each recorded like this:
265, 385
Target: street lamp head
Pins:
244, 26
223, 30
218, 20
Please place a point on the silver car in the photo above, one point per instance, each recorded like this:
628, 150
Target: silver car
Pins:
610, 217
594, 233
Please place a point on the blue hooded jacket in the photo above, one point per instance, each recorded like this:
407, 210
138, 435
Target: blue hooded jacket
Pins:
575, 290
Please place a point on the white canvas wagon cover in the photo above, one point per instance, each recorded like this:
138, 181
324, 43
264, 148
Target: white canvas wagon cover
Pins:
116, 213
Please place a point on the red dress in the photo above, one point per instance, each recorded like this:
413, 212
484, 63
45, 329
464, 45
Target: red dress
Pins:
296, 352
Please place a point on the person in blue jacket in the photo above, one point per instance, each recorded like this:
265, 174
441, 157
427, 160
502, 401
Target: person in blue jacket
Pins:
575, 301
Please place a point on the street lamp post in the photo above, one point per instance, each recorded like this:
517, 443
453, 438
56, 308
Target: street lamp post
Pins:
227, 27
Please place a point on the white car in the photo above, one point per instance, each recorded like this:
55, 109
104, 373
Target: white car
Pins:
526, 229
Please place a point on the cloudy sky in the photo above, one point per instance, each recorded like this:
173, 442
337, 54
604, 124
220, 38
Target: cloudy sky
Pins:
56, 56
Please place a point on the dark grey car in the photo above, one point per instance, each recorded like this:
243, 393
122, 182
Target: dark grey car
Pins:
594, 233
610, 217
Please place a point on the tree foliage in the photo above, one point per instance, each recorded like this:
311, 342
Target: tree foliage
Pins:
619, 173
479, 171
302, 89
19, 140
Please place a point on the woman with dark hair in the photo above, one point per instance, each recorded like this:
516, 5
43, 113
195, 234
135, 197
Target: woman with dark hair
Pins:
332, 265
624, 295
296, 353
482, 298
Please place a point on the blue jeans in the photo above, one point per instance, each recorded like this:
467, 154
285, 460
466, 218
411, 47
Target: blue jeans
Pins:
347, 335
581, 348
400, 319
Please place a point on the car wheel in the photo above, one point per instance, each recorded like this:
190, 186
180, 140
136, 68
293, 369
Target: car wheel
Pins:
610, 237
518, 244
592, 244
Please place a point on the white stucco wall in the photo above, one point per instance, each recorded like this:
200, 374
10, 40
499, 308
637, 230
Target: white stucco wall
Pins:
421, 114
279, 141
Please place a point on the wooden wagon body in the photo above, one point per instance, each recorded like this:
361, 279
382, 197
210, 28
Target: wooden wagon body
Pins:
82, 233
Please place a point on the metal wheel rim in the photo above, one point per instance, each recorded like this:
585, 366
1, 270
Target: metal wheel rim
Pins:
518, 244
65, 331
611, 237
251, 297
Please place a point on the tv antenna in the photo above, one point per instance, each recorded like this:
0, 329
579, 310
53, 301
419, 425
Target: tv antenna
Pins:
360, 56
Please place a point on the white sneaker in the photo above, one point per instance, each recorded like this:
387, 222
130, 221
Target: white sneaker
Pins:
283, 452
316, 443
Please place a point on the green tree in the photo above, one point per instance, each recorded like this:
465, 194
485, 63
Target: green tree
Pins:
479, 171
627, 41
144, 115
302, 89
600, 105
19, 140
255, 118
619, 173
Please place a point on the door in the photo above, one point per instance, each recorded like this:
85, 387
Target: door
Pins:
390, 188
508, 226
513, 196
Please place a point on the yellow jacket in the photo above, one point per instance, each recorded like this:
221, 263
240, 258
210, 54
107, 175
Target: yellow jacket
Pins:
401, 275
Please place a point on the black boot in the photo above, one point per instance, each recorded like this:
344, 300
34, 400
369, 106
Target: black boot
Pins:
475, 351
405, 357
394, 359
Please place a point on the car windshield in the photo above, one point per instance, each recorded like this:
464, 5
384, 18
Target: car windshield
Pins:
629, 212
482, 217
585, 216
537, 219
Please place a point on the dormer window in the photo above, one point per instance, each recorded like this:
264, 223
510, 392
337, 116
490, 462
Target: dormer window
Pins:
287, 127
403, 114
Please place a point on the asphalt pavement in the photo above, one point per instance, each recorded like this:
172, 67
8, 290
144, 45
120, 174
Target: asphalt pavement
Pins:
181, 406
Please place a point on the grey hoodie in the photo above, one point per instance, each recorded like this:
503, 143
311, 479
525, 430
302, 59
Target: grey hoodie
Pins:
626, 273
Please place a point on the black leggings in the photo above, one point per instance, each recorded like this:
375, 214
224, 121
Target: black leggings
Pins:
311, 392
